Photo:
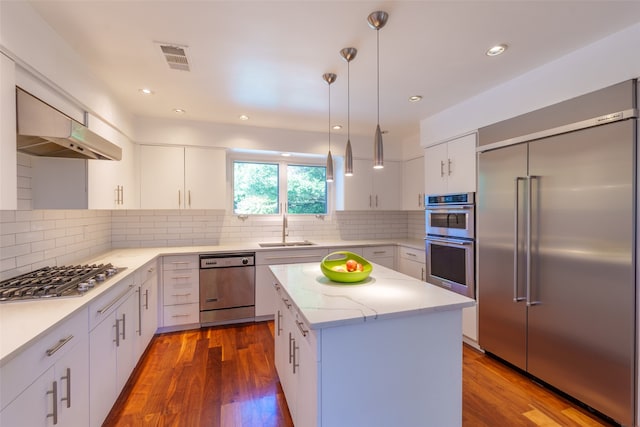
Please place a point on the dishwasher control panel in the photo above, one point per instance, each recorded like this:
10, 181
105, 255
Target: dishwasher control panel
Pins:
220, 260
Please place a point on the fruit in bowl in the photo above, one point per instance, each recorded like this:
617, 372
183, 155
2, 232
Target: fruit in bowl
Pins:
345, 267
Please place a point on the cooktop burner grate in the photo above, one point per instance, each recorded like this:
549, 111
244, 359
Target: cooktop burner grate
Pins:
52, 282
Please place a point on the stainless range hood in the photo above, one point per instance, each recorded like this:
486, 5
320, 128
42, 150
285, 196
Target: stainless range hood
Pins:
45, 131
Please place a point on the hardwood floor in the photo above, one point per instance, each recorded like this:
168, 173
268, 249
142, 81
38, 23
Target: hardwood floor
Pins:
226, 377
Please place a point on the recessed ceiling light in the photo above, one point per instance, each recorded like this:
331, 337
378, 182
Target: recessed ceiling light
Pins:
415, 98
496, 50
145, 91
337, 127
286, 154
243, 117
179, 110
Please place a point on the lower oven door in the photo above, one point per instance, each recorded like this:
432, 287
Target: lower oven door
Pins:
451, 264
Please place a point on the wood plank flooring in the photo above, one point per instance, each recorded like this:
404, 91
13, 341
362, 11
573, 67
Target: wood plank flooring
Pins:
225, 377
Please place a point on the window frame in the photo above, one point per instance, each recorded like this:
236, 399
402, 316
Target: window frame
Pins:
282, 163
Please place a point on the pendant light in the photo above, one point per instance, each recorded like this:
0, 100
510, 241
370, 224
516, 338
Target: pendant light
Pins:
376, 21
348, 53
329, 78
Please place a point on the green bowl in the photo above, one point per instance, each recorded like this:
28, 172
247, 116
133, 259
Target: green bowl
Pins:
340, 258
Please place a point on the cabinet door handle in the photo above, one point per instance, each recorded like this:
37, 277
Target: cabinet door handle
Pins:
189, 197
291, 340
376, 200
286, 302
58, 345
304, 331
441, 168
146, 299
295, 359
279, 322
179, 199
370, 204
449, 167
122, 194
54, 392
117, 326
139, 291
67, 378
124, 327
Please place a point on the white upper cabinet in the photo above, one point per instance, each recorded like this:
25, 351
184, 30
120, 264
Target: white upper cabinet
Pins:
112, 184
182, 177
8, 159
450, 167
413, 184
370, 188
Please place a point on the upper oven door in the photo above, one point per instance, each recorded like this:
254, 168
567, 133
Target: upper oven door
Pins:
452, 221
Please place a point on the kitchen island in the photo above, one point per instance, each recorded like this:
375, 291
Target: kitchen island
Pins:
386, 351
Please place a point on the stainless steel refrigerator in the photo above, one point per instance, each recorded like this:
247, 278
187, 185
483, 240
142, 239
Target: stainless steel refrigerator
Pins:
556, 233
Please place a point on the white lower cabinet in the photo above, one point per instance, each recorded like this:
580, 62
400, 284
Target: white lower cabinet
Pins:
180, 292
48, 384
148, 302
296, 358
412, 262
265, 297
112, 346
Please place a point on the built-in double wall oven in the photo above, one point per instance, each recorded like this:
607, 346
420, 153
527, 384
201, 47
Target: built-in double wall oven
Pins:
450, 242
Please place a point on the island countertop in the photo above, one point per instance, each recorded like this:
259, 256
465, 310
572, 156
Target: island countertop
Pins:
384, 294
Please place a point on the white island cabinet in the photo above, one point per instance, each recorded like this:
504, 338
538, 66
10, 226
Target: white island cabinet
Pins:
383, 352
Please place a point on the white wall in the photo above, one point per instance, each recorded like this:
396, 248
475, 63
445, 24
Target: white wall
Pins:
183, 132
608, 61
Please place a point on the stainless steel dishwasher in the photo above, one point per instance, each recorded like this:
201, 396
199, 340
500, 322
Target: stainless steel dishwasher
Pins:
227, 288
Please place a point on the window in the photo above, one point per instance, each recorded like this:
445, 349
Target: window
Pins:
259, 188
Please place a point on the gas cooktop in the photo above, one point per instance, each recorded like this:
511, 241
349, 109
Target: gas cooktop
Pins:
53, 282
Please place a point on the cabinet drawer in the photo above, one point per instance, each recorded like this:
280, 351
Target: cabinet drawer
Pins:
290, 256
181, 314
412, 254
373, 252
104, 305
357, 251
180, 262
26, 367
179, 289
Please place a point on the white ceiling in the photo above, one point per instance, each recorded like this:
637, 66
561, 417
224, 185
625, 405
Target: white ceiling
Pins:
265, 59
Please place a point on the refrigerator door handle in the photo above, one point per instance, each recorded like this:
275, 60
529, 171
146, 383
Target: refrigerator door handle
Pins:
530, 180
516, 297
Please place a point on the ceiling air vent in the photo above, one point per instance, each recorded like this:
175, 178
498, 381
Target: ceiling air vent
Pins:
176, 57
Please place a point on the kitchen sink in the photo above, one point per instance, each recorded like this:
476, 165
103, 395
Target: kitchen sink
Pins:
286, 244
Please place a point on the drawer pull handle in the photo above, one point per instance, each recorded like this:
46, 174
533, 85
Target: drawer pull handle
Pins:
304, 331
290, 257
59, 345
180, 315
411, 254
180, 262
379, 252
181, 277
115, 300
181, 295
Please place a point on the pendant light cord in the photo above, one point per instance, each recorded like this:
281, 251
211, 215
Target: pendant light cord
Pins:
329, 117
378, 67
348, 100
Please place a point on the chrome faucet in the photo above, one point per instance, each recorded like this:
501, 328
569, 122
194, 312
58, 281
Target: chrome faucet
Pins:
285, 223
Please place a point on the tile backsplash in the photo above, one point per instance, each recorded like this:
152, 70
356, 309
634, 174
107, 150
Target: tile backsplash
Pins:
31, 239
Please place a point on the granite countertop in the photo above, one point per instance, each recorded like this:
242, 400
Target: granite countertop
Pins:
384, 294
22, 322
